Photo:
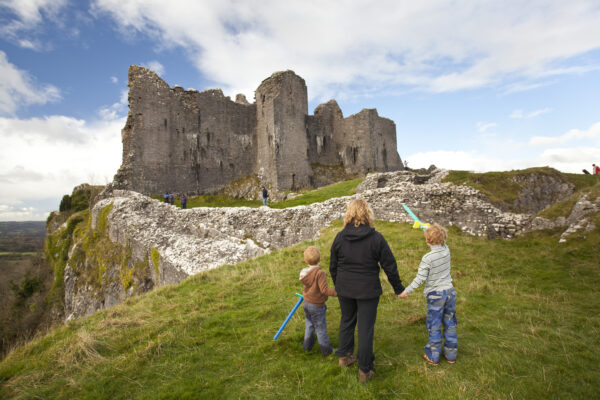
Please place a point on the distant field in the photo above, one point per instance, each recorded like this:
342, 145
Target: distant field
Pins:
22, 237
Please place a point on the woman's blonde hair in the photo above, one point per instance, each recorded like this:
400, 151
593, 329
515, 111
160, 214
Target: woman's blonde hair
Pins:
359, 212
436, 235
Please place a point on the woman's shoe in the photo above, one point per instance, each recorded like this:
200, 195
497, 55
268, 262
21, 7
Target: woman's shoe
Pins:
365, 376
347, 360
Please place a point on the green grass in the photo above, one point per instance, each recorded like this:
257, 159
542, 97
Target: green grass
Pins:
345, 188
502, 188
499, 187
528, 327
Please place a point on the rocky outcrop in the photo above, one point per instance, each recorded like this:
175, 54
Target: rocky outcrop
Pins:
162, 244
540, 191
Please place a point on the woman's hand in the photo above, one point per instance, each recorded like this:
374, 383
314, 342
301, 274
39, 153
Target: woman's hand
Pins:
403, 295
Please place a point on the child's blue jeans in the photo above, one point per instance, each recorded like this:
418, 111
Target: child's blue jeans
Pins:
315, 321
441, 311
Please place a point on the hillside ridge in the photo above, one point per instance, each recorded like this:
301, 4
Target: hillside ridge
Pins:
130, 244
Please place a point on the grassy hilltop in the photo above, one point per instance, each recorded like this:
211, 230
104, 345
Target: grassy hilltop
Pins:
528, 327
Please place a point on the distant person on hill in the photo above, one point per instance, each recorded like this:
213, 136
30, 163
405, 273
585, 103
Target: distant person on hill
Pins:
595, 169
434, 270
405, 164
171, 198
183, 200
166, 197
315, 295
357, 253
265, 195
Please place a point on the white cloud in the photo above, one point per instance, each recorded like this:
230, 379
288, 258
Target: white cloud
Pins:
17, 88
114, 79
28, 16
431, 45
469, 161
116, 110
483, 126
593, 132
519, 114
47, 157
155, 66
578, 150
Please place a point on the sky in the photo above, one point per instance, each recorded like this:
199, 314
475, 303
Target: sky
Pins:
471, 85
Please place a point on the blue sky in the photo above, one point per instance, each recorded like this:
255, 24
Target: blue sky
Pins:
470, 85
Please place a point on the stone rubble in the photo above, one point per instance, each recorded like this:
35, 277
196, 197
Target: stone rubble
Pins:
199, 239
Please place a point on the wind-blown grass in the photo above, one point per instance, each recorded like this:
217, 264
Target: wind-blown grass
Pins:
528, 328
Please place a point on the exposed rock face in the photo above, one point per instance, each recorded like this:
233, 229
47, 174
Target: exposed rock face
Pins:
197, 142
579, 219
163, 244
540, 191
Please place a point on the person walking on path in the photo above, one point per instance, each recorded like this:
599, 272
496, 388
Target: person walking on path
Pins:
357, 253
183, 200
265, 195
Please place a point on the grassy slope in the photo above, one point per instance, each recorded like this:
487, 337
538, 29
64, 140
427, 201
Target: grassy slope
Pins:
502, 189
345, 188
528, 328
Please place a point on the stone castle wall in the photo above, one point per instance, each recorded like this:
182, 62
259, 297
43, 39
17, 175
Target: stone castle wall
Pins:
197, 142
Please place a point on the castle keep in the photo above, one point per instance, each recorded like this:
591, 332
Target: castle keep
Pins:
197, 142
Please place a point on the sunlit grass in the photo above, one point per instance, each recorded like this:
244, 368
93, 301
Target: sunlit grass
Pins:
528, 329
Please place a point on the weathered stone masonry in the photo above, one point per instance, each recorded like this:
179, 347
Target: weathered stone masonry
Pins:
197, 142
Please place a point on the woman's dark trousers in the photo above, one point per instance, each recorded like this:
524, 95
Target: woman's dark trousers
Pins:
363, 311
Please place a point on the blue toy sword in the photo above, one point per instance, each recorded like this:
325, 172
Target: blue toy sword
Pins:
418, 224
289, 316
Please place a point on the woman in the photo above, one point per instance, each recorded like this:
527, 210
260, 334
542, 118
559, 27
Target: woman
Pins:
356, 254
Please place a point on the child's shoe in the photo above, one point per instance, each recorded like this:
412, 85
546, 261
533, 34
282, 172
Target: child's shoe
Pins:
365, 376
429, 361
347, 360
450, 361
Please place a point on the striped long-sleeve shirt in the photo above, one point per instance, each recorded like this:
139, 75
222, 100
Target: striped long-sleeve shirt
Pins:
434, 270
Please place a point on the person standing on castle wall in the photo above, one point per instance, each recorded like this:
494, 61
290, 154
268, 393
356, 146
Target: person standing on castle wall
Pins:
265, 195
183, 201
405, 164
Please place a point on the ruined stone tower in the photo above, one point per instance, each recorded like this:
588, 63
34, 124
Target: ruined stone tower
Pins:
197, 142
281, 133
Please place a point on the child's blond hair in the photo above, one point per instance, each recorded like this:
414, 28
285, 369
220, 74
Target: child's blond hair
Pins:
436, 235
359, 212
312, 256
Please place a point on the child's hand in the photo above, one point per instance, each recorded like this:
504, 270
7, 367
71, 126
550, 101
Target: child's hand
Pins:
403, 295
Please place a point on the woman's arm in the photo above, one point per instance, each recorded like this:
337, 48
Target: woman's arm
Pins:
333, 260
388, 263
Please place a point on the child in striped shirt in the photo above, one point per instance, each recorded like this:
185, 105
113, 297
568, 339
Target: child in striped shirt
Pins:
434, 271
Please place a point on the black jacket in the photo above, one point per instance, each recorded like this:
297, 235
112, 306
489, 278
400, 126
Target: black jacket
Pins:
356, 254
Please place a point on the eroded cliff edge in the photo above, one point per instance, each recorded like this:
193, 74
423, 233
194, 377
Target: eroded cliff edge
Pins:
129, 243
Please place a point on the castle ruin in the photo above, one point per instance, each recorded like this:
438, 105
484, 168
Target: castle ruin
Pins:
197, 142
